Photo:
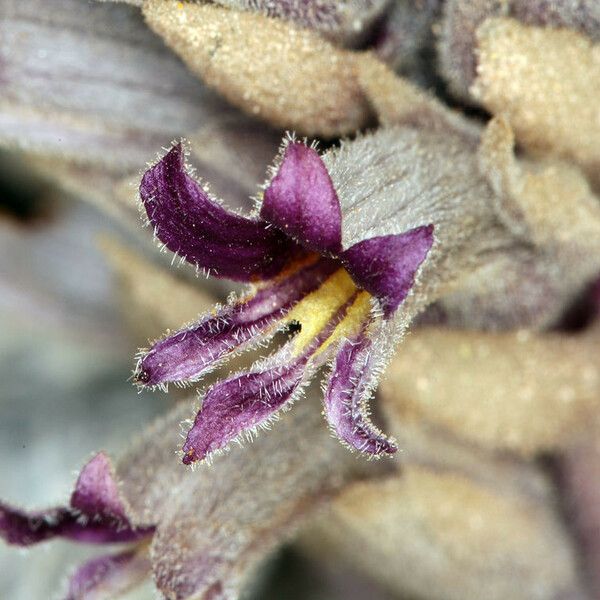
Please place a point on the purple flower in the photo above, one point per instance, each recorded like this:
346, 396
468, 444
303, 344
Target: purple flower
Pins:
96, 514
340, 298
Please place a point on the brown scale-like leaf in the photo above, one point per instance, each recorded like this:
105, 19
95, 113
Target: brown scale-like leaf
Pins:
550, 209
457, 46
345, 22
546, 83
437, 534
524, 392
298, 80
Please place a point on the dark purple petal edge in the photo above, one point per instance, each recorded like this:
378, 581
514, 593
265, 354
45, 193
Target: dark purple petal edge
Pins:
95, 515
386, 266
192, 352
346, 396
204, 233
302, 202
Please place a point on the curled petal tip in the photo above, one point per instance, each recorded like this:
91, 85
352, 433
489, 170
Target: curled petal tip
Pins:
96, 513
150, 370
190, 455
142, 377
197, 228
194, 351
346, 398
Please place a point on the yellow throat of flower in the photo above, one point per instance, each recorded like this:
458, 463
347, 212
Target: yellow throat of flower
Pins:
315, 311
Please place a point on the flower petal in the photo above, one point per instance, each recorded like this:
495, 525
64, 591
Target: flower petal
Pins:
386, 265
241, 403
196, 350
348, 390
106, 577
96, 513
251, 399
192, 225
96, 490
301, 201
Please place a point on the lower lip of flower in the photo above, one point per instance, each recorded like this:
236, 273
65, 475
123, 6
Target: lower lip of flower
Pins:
309, 293
236, 406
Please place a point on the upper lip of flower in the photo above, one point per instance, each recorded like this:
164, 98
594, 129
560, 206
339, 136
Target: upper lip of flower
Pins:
293, 251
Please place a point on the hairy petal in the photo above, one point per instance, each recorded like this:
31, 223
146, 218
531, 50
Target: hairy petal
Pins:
96, 491
242, 403
301, 201
386, 266
250, 399
96, 513
346, 396
195, 350
106, 577
194, 226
